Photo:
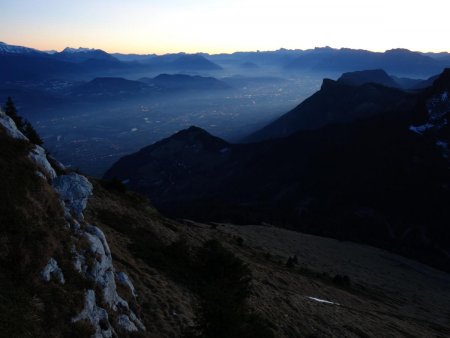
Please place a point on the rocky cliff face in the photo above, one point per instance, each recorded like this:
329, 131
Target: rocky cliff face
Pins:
104, 309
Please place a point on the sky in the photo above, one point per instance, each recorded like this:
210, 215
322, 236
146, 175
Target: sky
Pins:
214, 26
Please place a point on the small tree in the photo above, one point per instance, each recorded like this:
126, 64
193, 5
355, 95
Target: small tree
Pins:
11, 111
23, 125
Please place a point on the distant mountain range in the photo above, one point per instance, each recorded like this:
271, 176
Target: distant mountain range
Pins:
372, 167
21, 63
185, 82
113, 87
83, 54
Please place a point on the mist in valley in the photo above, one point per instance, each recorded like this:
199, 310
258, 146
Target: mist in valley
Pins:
90, 130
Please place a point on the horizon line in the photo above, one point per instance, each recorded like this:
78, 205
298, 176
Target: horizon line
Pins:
47, 50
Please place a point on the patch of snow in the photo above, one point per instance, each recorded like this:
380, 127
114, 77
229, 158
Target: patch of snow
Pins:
77, 50
11, 49
52, 270
134, 129
322, 301
422, 128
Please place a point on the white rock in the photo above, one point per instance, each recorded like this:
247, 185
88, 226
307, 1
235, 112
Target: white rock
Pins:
38, 156
10, 127
41, 175
125, 323
102, 270
79, 261
136, 320
74, 190
56, 163
123, 279
94, 314
52, 270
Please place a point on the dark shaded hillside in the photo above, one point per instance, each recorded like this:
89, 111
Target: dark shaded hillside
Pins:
377, 76
32, 67
337, 102
185, 82
110, 88
372, 180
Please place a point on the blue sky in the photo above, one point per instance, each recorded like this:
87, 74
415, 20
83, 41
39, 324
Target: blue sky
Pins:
148, 26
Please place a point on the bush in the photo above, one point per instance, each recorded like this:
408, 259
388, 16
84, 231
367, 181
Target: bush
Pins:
224, 288
342, 280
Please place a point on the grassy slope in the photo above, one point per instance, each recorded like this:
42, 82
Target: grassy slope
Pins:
32, 229
388, 295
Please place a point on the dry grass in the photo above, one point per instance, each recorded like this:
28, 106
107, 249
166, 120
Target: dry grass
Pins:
388, 295
32, 230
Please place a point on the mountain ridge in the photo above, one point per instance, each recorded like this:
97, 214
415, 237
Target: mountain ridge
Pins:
326, 181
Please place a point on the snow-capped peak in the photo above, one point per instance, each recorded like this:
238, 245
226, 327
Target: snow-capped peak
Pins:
78, 50
11, 49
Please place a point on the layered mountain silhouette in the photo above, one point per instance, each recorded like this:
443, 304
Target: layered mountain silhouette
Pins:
185, 82
116, 87
398, 61
354, 96
377, 172
377, 76
20, 63
110, 87
83, 54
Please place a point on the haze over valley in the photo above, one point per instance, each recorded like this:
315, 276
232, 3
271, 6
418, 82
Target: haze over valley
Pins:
224, 169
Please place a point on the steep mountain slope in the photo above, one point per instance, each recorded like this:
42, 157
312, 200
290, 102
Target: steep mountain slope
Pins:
337, 102
375, 180
66, 242
51, 254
